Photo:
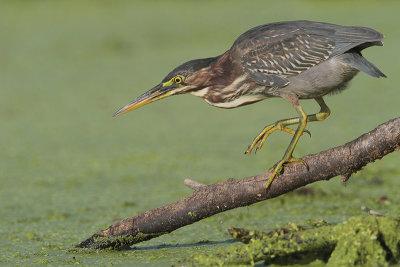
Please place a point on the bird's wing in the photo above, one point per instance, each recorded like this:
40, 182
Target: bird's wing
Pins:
270, 63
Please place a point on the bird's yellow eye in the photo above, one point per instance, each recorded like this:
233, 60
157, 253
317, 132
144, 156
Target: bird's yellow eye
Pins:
178, 79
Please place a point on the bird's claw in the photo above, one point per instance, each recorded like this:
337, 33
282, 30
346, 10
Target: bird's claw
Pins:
307, 131
292, 159
262, 137
301, 161
277, 169
264, 134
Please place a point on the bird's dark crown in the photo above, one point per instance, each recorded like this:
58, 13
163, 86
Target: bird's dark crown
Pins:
190, 67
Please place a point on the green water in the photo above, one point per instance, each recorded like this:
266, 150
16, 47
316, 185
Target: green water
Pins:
68, 169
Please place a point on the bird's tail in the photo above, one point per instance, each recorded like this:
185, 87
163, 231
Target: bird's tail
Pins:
357, 61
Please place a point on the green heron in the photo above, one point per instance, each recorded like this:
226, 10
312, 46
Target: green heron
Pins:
293, 60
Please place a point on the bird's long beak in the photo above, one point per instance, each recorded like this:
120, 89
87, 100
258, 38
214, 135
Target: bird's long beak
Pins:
156, 93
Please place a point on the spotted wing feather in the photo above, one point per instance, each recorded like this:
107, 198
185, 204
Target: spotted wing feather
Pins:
271, 63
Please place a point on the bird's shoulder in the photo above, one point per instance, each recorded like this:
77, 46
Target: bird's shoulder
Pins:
271, 62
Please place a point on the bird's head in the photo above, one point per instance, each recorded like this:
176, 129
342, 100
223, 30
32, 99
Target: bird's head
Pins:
178, 81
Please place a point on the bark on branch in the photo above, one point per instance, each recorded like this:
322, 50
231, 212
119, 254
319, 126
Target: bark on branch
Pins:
208, 200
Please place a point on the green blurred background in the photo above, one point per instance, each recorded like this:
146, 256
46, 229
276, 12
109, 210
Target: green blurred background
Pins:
69, 169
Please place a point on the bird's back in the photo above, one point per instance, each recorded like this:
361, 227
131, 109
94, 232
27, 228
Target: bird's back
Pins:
272, 54
343, 38
305, 58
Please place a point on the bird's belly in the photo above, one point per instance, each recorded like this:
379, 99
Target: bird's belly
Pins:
322, 79
237, 102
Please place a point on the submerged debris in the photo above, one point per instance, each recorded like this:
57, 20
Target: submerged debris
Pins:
371, 212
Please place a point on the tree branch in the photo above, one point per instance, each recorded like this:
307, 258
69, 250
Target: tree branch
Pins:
208, 200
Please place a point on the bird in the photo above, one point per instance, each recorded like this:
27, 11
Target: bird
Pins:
294, 60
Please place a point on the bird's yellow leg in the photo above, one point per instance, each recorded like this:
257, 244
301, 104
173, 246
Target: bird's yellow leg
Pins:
287, 157
322, 114
281, 125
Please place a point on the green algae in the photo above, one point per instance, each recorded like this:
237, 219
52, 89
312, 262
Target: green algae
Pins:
192, 214
373, 241
276, 246
358, 241
245, 236
120, 242
68, 169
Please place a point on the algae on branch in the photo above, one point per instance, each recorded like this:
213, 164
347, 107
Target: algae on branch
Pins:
118, 242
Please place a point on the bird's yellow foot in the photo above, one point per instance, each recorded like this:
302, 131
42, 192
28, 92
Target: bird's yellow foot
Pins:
262, 137
292, 159
278, 168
